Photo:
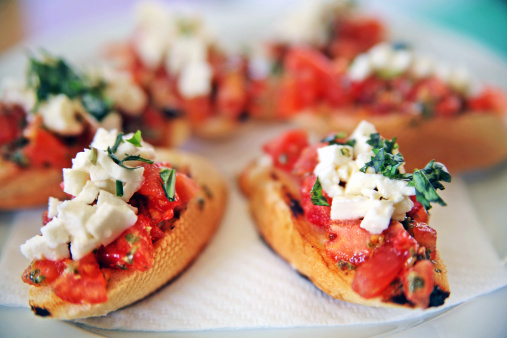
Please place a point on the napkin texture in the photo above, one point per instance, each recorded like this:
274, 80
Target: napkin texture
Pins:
238, 282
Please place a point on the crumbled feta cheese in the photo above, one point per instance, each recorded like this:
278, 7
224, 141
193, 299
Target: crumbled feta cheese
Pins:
125, 93
184, 51
422, 66
360, 68
82, 222
195, 80
379, 56
15, 92
59, 114
373, 197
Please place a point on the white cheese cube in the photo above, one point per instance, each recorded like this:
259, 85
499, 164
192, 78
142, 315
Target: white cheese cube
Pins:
82, 246
378, 216
55, 233
459, 79
151, 46
349, 207
110, 220
399, 62
127, 95
329, 179
185, 50
422, 66
401, 208
74, 215
89, 193
59, 115
379, 56
74, 181
52, 207
37, 248
362, 134
335, 154
360, 68
195, 80
82, 160
104, 139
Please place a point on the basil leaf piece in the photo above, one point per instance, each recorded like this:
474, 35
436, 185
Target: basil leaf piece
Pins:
119, 188
168, 177
316, 195
333, 139
117, 142
136, 139
93, 156
136, 158
126, 159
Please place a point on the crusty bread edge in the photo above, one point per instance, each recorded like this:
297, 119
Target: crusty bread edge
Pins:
280, 227
466, 142
173, 253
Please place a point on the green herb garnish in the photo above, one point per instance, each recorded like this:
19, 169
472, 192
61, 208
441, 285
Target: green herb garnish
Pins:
168, 177
117, 142
317, 196
131, 238
426, 181
136, 139
119, 188
52, 76
93, 156
334, 139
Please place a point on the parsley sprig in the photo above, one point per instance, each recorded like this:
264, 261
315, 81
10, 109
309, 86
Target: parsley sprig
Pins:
316, 195
425, 181
52, 76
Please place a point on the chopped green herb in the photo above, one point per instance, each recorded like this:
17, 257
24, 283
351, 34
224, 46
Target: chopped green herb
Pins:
317, 196
127, 159
282, 159
334, 139
93, 155
52, 76
136, 139
168, 177
426, 181
129, 257
36, 277
117, 142
131, 238
119, 188
415, 282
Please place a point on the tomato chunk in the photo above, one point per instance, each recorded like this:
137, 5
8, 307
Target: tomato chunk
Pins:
286, 149
82, 282
43, 272
427, 237
374, 275
133, 249
350, 243
489, 100
45, 149
12, 119
418, 283
418, 213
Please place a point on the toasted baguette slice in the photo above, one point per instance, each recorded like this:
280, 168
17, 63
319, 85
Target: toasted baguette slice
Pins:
30, 187
274, 203
182, 243
467, 142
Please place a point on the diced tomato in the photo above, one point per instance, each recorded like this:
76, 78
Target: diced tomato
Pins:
197, 109
286, 149
186, 187
374, 275
43, 272
45, 149
132, 250
12, 119
430, 90
418, 283
318, 215
489, 100
288, 101
449, 106
418, 213
425, 236
157, 207
400, 239
307, 161
82, 282
354, 36
350, 242
232, 94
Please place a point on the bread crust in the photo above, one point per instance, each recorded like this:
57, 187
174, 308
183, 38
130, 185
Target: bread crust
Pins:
182, 243
271, 193
28, 187
467, 142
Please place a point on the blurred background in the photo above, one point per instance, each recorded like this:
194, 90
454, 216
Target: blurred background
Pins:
482, 20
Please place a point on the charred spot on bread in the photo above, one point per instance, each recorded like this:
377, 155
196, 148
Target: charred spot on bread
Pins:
273, 176
207, 191
399, 298
39, 311
295, 206
201, 203
172, 113
438, 296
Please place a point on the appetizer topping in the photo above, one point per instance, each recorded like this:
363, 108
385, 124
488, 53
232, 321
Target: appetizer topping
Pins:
102, 187
181, 43
389, 60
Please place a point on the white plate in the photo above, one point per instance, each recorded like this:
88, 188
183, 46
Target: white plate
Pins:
479, 317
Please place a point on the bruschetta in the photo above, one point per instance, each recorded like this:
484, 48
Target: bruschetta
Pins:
47, 119
426, 104
345, 214
138, 218
189, 79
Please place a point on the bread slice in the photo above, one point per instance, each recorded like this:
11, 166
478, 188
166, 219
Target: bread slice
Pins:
182, 243
28, 187
274, 203
467, 142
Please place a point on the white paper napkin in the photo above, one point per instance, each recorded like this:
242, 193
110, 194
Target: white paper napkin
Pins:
238, 282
